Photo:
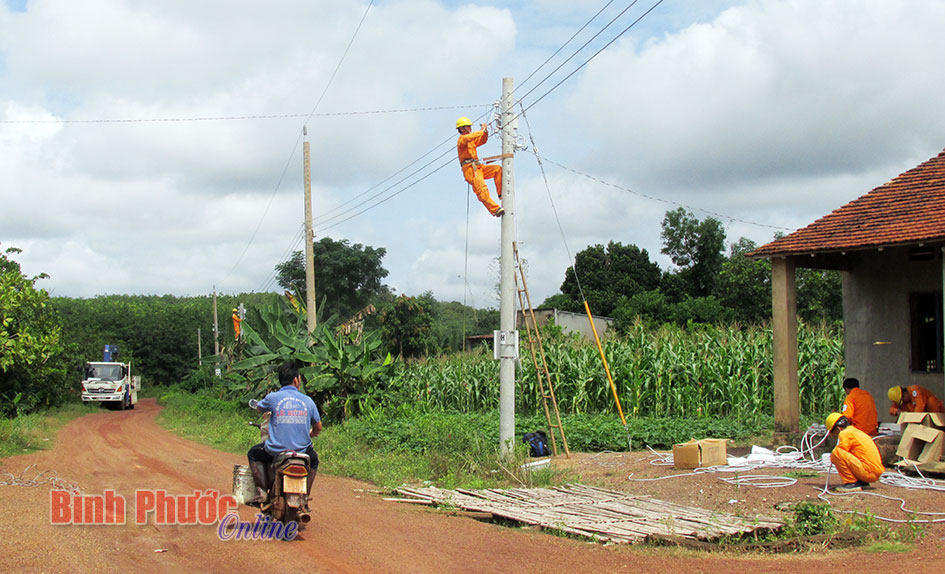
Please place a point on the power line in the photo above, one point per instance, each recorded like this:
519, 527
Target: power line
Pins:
721, 216
238, 118
297, 140
375, 186
573, 36
634, 2
604, 47
293, 245
578, 51
448, 162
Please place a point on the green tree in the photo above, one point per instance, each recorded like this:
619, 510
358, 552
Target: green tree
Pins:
696, 247
407, 326
347, 277
29, 341
819, 295
608, 274
744, 285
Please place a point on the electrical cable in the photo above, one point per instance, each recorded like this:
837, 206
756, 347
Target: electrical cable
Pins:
607, 45
240, 118
388, 198
578, 51
296, 145
573, 36
721, 216
551, 200
804, 458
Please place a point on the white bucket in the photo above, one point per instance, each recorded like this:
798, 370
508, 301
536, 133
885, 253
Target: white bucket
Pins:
244, 487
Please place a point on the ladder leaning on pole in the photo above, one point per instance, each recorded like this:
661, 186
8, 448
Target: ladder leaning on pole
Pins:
533, 337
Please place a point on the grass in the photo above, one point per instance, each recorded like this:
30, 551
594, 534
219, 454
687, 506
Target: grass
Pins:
413, 444
37, 431
449, 450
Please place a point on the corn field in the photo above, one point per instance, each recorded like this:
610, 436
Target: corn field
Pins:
700, 371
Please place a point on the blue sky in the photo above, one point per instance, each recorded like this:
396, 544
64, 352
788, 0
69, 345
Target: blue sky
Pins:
765, 114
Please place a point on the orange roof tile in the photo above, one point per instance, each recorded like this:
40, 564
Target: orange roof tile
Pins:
908, 209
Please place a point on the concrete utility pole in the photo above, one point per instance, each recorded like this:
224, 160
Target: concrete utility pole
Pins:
309, 238
507, 340
199, 349
216, 331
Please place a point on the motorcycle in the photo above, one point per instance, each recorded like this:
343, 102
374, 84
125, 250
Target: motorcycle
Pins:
287, 477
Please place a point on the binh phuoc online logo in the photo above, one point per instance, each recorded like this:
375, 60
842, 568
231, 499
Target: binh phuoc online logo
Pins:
205, 508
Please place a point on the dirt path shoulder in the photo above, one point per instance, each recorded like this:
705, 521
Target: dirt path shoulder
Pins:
352, 531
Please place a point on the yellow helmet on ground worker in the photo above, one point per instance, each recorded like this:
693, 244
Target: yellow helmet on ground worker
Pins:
895, 394
832, 419
463, 121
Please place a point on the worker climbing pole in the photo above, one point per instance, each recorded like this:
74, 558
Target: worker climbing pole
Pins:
474, 170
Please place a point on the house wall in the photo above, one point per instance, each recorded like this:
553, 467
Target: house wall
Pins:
569, 322
876, 316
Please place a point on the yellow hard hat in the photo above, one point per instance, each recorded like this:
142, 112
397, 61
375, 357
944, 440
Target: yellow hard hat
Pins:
832, 419
895, 394
463, 121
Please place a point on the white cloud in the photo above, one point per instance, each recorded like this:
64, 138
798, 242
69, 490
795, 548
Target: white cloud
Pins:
760, 112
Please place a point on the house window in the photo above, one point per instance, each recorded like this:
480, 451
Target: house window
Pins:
926, 321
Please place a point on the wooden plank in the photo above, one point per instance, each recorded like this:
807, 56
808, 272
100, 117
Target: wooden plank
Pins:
595, 512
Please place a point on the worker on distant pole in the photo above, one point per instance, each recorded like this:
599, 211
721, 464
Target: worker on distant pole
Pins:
236, 324
474, 172
914, 399
859, 407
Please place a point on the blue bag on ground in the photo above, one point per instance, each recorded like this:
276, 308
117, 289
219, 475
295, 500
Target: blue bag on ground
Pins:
537, 443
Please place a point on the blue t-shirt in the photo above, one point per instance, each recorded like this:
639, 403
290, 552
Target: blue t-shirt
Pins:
293, 415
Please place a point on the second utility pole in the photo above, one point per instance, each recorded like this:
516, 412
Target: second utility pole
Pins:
507, 340
309, 238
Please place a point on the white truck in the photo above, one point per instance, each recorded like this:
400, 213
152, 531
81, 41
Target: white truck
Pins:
110, 382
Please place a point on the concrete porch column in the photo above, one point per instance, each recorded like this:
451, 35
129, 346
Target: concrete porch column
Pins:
784, 329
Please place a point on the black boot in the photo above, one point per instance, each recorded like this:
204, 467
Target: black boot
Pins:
262, 484
308, 487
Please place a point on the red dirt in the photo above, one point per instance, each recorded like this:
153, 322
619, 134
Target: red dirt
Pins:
352, 531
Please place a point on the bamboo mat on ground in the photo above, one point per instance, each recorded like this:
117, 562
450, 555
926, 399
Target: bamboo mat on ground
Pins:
605, 515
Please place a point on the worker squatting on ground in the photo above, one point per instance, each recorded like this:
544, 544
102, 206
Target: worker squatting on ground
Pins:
856, 456
914, 399
474, 172
859, 407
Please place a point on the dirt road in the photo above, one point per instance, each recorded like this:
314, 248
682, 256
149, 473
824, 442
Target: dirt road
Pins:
352, 531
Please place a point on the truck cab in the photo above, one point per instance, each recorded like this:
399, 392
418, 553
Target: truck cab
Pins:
111, 383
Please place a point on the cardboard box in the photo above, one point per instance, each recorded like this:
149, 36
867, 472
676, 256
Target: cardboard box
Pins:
926, 419
700, 453
923, 438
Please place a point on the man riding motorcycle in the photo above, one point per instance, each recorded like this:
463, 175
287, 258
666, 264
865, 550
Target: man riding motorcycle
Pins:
294, 421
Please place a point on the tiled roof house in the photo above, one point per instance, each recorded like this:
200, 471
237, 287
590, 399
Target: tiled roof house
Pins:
888, 245
908, 210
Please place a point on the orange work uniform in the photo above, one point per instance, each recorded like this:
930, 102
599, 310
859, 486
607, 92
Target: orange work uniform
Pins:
860, 408
856, 457
917, 399
474, 172
236, 325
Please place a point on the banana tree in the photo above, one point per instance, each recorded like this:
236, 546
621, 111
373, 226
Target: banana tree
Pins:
353, 377
272, 335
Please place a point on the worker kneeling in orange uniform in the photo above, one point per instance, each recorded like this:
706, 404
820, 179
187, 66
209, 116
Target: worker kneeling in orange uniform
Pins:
474, 172
914, 399
856, 456
859, 407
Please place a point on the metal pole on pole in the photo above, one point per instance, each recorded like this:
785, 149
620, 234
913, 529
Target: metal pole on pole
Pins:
309, 239
507, 340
